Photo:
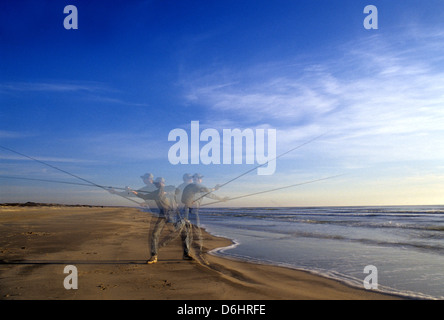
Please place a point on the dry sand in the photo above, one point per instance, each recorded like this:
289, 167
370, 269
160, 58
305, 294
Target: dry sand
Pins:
109, 248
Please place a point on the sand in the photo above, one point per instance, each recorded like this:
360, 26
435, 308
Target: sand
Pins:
109, 248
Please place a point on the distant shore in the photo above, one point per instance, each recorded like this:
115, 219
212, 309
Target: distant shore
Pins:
109, 248
37, 204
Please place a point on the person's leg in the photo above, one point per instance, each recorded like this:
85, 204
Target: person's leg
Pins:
158, 227
199, 231
186, 236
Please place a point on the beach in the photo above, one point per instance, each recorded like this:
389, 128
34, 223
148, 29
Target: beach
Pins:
109, 247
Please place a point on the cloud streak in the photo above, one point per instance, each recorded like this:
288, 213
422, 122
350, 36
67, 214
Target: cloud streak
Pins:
51, 86
89, 90
5, 134
46, 159
382, 101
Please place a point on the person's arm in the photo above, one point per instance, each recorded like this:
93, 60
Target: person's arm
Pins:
209, 194
215, 197
147, 196
126, 193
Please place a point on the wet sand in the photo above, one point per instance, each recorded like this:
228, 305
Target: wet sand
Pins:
109, 248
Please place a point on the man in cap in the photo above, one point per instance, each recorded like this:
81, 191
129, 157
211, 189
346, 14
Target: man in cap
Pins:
191, 198
184, 225
164, 205
194, 192
149, 186
187, 179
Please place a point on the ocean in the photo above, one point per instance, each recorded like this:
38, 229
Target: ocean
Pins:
405, 245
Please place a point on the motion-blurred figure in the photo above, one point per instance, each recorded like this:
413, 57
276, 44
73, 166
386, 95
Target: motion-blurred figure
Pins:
167, 207
187, 179
164, 210
149, 186
192, 196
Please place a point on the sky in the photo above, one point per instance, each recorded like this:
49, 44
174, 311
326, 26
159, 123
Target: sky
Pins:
361, 107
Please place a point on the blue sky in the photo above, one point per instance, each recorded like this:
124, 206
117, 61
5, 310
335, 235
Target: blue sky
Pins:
100, 101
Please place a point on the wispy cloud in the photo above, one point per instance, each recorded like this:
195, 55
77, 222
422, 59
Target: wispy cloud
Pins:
45, 159
118, 101
127, 146
89, 90
52, 86
380, 99
4, 134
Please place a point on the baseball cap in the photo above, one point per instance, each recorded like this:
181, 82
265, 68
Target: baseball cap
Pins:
159, 180
147, 175
187, 176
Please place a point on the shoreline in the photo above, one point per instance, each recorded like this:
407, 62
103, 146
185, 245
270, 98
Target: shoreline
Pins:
110, 252
341, 280
352, 283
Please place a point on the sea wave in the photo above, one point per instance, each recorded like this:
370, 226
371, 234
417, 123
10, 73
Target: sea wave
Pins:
330, 274
407, 241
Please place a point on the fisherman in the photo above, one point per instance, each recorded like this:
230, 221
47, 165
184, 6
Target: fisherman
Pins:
166, 210
187, 179
194, 192
183, 225
159, 196
191, 198
149, 186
